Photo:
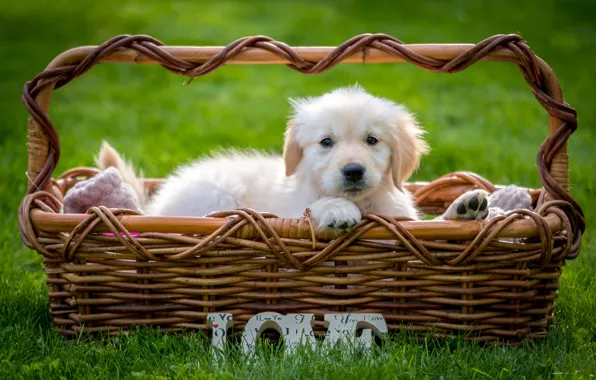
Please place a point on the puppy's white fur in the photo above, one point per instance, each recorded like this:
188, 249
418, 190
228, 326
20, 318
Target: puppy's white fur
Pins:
310, 174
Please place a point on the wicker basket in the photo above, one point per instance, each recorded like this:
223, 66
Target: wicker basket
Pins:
494, 281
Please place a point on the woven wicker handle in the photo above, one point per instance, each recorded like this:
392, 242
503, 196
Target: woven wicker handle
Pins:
43, 141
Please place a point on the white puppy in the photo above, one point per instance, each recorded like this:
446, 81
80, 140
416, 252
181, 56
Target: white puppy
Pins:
346, 153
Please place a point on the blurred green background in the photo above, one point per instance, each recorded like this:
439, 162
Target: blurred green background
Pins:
484, 119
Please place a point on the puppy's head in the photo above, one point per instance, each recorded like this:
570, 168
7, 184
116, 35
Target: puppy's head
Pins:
348, 143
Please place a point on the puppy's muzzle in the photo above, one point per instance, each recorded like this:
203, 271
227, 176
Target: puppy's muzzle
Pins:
353, 173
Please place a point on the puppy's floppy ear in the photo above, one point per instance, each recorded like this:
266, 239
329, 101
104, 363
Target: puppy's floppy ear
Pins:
408, 147
292, 151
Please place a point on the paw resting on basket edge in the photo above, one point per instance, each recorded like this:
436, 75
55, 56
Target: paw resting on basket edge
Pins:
479, 205
472, 205
334, 215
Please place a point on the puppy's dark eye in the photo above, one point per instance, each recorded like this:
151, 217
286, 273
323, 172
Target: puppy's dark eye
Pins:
371, 140
326, 142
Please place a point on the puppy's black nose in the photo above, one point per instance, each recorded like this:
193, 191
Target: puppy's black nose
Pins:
353, 172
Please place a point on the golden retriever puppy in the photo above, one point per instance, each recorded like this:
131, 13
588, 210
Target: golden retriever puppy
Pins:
346, 153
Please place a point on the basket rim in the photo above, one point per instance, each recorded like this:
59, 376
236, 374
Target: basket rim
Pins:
425, 229
293, 227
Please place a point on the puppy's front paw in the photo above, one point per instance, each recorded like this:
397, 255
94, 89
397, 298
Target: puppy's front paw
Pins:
335, 214
472, 205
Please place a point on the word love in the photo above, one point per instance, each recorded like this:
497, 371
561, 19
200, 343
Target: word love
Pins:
296, 329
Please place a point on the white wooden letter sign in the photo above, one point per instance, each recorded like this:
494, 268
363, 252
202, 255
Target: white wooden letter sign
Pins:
297, 329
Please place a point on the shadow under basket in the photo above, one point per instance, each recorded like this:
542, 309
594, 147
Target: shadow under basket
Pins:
492, 281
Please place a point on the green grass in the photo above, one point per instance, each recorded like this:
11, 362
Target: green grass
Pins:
484, 119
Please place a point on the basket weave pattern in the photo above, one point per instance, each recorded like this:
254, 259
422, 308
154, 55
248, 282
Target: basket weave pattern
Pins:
111, 269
